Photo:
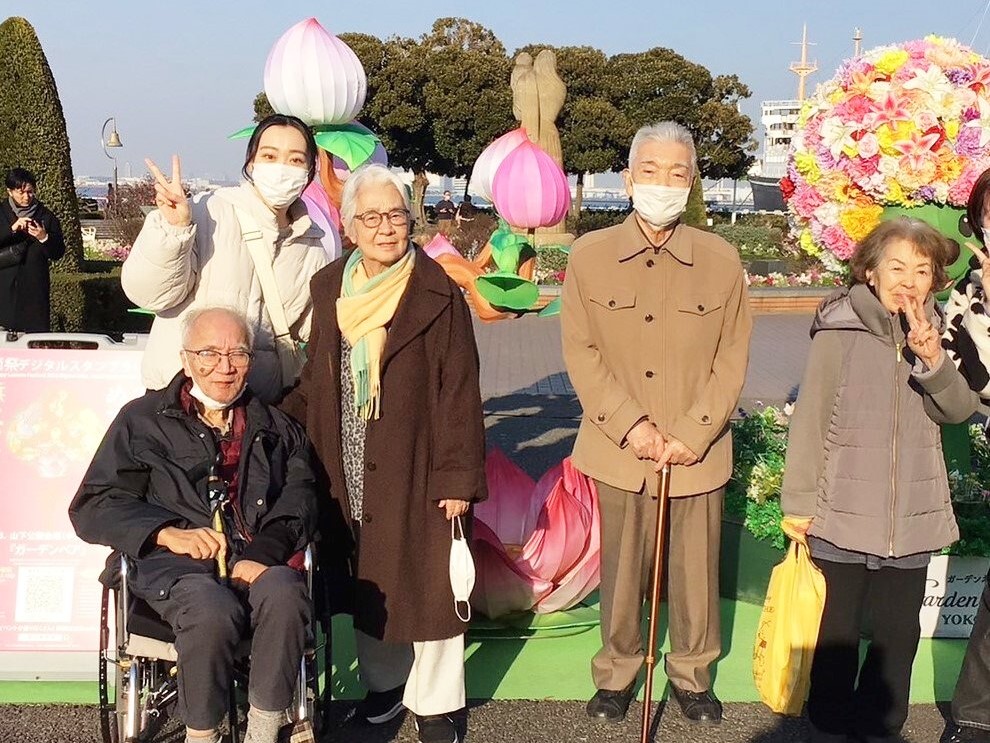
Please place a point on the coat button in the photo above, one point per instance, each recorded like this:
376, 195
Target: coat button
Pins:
611, 303
601, 417
260, 501
366, 518
161, 592
701, 308
371, 466
202, 435
705, 419
649, 263
649, 374
648, 318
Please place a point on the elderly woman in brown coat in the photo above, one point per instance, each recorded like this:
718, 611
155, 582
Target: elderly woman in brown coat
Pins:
865, 476
391, 400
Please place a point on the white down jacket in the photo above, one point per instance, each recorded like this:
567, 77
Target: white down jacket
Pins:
172, 270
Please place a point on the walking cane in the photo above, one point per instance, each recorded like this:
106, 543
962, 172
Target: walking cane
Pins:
662, 496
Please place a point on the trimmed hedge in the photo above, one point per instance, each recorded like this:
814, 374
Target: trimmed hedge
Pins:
93, 303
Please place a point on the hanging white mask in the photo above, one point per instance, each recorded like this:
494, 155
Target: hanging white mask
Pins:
462, 574
659, 206
279, 184
208, 402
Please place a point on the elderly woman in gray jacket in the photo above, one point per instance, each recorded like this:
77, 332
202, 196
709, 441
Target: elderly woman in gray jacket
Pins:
865, 474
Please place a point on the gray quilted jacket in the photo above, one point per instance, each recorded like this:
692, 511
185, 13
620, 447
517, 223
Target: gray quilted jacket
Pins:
864, 455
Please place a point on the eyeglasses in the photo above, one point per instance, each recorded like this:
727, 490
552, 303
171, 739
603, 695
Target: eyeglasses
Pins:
372, 219
209, 358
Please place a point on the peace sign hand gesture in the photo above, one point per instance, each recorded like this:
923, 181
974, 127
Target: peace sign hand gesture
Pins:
922, 338
170, 198
984, 263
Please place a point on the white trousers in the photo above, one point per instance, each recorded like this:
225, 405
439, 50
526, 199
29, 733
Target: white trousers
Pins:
433, 671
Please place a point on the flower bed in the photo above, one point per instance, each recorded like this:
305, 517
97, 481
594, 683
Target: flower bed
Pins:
106, 250
812, 278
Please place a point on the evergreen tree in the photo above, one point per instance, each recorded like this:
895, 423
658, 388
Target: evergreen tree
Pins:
32, 130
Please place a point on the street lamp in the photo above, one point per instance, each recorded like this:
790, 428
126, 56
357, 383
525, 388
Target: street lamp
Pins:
113, 141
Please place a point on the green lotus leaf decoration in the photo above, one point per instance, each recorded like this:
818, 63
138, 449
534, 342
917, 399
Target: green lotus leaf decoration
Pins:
350, 142
507, 290
552, 309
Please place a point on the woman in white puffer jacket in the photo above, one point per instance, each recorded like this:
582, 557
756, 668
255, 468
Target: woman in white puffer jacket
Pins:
192, 253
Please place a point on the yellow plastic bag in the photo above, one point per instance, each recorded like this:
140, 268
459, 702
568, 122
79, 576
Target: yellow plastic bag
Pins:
788, 631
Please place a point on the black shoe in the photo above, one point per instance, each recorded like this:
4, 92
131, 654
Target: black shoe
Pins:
379, 707
960, 734
610, 705
698, 706
436, 729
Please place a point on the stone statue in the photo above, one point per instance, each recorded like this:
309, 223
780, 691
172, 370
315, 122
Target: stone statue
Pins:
537, 98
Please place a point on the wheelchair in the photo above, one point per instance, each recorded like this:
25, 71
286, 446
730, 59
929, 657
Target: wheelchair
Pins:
143, 659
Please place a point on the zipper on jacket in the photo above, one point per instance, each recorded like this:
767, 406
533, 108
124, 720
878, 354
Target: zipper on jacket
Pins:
893, 452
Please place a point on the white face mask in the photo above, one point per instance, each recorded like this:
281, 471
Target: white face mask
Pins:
279, 184
208, 402
462, 573
659, 206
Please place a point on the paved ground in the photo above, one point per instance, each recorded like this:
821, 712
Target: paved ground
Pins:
531, 413
489, 722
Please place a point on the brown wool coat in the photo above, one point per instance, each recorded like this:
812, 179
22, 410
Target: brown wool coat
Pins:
428, 445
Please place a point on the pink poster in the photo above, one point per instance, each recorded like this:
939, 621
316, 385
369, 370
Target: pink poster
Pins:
55, 406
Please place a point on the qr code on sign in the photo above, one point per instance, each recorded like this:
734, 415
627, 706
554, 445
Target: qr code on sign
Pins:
44, 595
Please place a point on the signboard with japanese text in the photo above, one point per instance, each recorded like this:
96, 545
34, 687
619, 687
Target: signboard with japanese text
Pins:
952, 596
55, 406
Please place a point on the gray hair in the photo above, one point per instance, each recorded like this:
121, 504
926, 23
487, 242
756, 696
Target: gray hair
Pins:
664, 131
368, 175
190, 319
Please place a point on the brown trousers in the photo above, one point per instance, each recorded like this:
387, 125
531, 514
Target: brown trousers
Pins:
628, 525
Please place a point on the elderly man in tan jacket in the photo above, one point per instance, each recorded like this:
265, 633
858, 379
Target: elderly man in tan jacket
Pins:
656, 330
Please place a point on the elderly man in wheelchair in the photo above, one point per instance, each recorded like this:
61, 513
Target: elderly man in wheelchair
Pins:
211, 496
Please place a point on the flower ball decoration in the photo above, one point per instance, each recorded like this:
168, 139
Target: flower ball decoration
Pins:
900, 129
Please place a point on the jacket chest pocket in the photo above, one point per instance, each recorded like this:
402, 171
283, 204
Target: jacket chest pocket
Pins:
700, 308
613, 298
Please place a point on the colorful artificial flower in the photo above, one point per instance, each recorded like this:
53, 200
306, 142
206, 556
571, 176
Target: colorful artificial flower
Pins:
903, 125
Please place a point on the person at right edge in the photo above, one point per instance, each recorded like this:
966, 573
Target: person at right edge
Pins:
967, 342
655, 327
865, 477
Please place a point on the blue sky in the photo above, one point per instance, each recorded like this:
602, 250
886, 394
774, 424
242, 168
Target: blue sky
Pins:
180, 75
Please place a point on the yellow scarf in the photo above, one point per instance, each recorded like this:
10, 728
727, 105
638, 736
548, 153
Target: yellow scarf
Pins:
365, 306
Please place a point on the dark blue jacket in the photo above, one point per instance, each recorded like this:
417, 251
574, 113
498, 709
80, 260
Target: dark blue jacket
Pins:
151, 471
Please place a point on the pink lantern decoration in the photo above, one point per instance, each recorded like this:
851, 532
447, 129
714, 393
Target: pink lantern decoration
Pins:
536, 545
325, 216
530, 189
312, 74
440, 245
490, 158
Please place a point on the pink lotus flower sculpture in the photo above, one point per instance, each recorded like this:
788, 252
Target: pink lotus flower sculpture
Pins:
490, 158
440, 245
312, 74
530, 189
536, 545
326, 216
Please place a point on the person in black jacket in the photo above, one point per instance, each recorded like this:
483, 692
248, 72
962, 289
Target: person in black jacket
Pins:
30, 237
211, 493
